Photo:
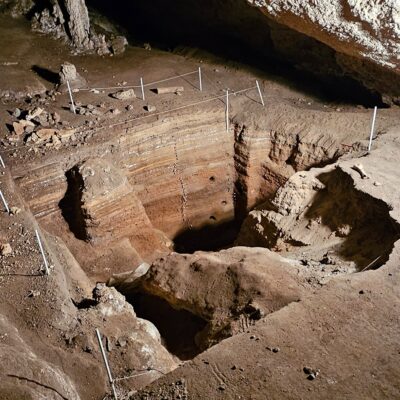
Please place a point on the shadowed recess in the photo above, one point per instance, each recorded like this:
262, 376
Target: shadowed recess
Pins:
233, 31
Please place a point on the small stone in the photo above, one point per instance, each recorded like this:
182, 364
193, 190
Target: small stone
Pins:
376, 183
221, 387
15, 210
5, 249
115, 111
56, 117
276, 349
124, 94
150, 108
17, 113
343, 230
19, 129
33, 293
121, 342
129, 107
147, 46
45, 135
29, 129
311, 373
34, 113
109, 344
361, 292
360, 169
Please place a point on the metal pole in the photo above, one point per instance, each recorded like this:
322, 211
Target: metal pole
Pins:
200, 82
70, 96
103, 353
259, 92
227, 111
4, 202
372, 129
2, 162
46, 265
141, 84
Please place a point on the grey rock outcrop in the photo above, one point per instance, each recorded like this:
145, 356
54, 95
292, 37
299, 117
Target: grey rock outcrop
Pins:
16, 7
78, 22
69, 19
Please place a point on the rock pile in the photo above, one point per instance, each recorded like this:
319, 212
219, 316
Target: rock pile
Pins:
39, 127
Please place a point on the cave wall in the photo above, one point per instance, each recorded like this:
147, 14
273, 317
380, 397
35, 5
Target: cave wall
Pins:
364, 34
237, 30
353, 49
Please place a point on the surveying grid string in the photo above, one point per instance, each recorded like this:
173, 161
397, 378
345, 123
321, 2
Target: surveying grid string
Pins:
138, 86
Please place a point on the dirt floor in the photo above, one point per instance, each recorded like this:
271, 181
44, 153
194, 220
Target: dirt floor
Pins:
116, 191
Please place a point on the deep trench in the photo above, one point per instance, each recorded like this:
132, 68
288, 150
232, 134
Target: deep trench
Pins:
221, 235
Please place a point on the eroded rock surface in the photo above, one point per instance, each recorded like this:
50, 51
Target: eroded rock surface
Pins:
230, 289
321, 209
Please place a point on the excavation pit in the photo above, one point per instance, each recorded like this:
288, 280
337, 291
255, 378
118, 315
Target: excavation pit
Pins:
178, 328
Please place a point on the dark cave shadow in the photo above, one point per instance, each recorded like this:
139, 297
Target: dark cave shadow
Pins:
240, 35
46, 74
70, 205
178, 328
210, 237
373, 231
